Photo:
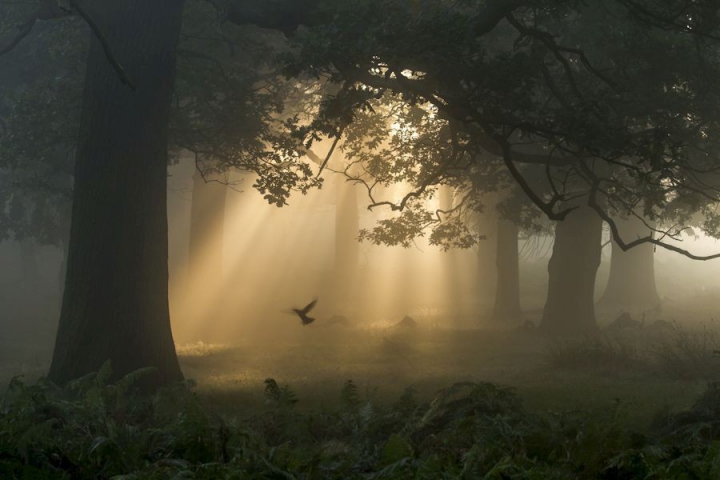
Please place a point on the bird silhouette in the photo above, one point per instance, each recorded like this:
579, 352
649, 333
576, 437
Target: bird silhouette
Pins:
303, 312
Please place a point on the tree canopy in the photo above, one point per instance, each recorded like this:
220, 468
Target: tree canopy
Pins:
610, 104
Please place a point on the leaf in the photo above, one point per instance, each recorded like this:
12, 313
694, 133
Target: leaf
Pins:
349, 395
395, 449
133, 378
104, 374
712, 458
98, 442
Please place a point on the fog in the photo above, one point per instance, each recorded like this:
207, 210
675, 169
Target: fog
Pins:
274, 259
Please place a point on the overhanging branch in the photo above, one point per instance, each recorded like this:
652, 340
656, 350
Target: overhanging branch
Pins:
625, 246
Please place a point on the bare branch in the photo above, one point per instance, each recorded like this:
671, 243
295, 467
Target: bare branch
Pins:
625, 246
105, 44
330, 152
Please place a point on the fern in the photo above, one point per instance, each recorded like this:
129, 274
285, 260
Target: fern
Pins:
349, 397
101, 429
282, 397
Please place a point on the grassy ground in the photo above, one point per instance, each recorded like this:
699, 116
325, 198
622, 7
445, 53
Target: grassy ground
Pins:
646, 370
383, 362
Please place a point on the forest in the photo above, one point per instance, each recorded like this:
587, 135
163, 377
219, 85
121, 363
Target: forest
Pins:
367, 239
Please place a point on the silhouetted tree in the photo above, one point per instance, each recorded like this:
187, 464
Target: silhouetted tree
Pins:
507, 293
115, 304
631, 284
572, 269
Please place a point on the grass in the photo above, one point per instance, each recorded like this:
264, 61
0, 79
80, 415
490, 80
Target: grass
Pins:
384, 362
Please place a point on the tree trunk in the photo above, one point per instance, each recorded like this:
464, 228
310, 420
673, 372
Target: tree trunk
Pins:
207, 217
347, 249
631, 284
65, 215
569, 308
507, 293
451, 266
486, 288
115, 304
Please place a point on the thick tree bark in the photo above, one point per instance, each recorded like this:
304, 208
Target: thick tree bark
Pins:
572, 268
207, 218
631, 284
507, 293
65, 213
115, 304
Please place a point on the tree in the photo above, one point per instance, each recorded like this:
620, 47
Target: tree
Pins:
117, 275
347, 221
526, 86
631, 284
115, 299
547, 88
507, 293
572, 269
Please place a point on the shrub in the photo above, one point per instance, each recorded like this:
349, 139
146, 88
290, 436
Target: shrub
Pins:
92, 429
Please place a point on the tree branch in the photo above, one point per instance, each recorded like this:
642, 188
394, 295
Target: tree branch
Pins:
105, 44
625, 246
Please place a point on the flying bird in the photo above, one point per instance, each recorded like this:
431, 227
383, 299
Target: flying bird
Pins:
303, 313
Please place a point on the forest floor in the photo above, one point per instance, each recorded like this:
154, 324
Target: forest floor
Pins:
648, 370
626, 403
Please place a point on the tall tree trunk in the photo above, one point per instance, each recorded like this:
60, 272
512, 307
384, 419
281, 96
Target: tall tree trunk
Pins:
486, 288
65, 220
572, 268
507, 293
347, 249
115, 305
631, 284
452, 281
207, 218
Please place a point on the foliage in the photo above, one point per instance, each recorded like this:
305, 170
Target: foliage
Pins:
547, 93
226, 111
231, 105
39, 114
94, 429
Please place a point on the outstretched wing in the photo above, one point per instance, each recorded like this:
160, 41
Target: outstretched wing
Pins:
309, 307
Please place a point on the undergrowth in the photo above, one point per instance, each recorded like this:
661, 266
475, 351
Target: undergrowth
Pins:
687, 354
602, 352
677, 353
95, 429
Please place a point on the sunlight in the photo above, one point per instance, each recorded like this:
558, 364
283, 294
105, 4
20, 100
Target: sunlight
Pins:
275, 259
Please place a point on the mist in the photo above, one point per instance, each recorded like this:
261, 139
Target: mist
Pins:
257, 262
371, 239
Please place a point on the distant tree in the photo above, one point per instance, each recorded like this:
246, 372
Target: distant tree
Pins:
631, 284
546, 87
116, 295
115, 301
516, 87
